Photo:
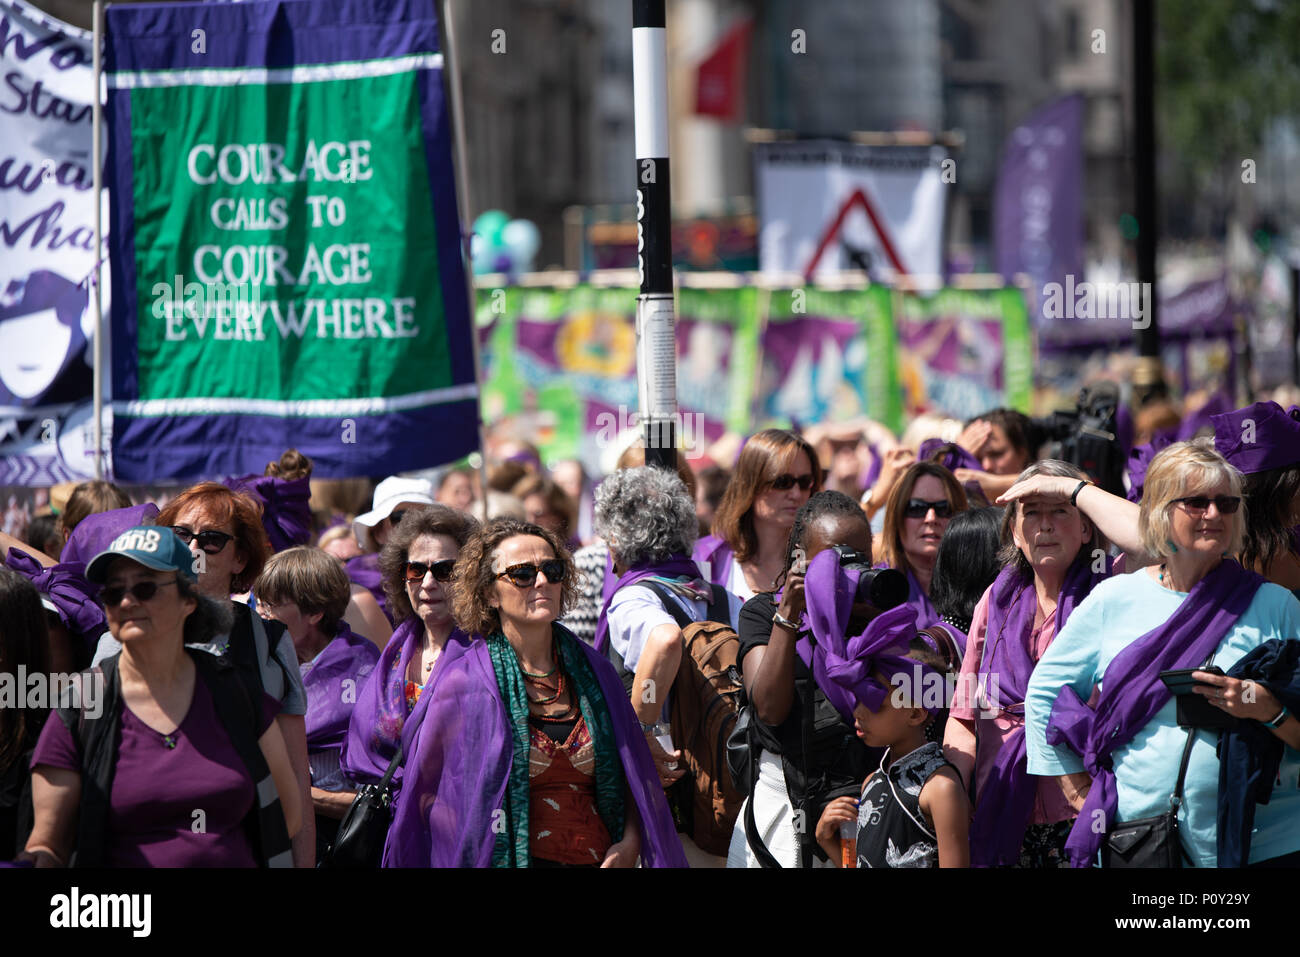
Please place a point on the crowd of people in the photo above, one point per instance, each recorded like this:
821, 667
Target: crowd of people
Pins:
948, 648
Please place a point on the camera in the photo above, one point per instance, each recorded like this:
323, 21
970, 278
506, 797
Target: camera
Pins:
1086, 435
883, 588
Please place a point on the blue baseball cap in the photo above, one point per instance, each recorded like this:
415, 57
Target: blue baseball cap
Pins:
152, 546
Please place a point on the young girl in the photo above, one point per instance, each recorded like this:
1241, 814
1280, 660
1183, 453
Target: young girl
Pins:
913, 811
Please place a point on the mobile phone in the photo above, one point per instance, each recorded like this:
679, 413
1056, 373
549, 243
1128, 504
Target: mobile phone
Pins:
1180, 682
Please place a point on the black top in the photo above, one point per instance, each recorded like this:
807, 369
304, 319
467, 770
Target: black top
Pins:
892, 829
838, 760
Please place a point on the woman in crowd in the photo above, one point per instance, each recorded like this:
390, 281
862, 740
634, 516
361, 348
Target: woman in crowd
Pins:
456, 489
308, 592
224, 531
118, 778
1052, 558
965, 568
394, 497
417, 565
87, 499
23, 644
530, 753
547, 505
916, 517
789, 706
1196, 608
776, 473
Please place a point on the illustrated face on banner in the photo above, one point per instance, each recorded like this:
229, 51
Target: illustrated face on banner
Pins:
37, 317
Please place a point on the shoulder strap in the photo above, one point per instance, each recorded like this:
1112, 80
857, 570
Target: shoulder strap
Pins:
393, 765
670, 606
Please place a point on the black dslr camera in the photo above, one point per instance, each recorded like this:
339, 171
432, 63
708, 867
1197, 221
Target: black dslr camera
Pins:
1086, 436
882, 588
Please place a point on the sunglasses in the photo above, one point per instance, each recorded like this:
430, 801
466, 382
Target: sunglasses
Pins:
524, 575
783, 483
918, 507
415, 571
211, 541
1226, 504
141, 591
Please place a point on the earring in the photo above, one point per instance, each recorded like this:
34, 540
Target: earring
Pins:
1172, 546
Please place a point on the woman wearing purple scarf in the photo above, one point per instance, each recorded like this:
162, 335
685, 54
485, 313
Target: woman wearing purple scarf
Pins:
1052, 557
530, 754
776, 473
416, 563
1118, 761
916, 516
308, 591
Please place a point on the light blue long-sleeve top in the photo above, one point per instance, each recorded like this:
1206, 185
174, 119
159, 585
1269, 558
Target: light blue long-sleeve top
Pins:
1117, 612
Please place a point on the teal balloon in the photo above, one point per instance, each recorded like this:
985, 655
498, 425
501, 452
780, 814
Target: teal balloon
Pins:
481, 254
522, 238
489, 225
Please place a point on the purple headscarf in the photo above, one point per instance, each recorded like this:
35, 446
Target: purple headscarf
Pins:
1258, 438
65, 585
380, 717
460, 761
843, 666
286, 516
96, 531
1006, 801
332, 684
954, 457
718, 556
1132, 692
675, 566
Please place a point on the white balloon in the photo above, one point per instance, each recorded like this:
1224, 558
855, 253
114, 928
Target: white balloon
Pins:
523, 239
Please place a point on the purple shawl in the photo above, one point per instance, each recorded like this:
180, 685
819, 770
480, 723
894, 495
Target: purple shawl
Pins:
675, 566
364, 571
718, 556
1132, 692
66, 587
843, 666
286, 516
379, 718
1006, 802
459, 768
332, 684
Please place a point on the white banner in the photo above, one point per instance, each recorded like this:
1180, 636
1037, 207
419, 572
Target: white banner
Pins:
826, 207
47, 248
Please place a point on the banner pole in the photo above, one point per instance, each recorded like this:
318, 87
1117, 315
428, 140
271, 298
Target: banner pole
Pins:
656, 336
462, 202
97, 163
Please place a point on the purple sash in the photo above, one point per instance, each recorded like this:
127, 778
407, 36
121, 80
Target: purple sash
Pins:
332, 685
380, 717
675, 566
718, 556
459, 765
1132, 692
1006, 802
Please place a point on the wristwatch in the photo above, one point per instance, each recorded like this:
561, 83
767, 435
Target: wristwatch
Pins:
1279, 720
779, 619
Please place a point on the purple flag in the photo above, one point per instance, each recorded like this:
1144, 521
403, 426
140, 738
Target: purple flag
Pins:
1038, 216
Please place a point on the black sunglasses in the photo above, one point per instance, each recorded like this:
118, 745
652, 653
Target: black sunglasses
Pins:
211, 541
917, 508
415, 571
525, 574
1226, 504
785, 482
142, 591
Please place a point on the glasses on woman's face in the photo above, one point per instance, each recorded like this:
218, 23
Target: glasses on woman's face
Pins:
141, 591
918, 507
211, 541
525, 574
1200, 504
786, 481
415, 571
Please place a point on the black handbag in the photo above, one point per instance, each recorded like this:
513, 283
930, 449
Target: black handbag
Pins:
359, 845
1151, 841
740, 743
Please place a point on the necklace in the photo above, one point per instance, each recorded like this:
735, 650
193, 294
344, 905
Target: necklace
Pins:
555, 692
554, 667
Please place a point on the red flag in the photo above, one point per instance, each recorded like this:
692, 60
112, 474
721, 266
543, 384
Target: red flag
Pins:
720, 88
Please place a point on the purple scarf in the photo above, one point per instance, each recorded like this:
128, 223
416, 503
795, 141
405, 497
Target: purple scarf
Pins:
332, 684
285, 512
718, 556
954, 456
1139, 460
843, 666
917, 599
1132, 692
675, 566
459, 768
96, 531
380, 717
364, 571
1006, 802
66, 587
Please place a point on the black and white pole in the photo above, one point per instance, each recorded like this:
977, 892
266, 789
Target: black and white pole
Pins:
656, 342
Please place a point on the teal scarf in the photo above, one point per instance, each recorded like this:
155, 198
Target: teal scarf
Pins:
512, 842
